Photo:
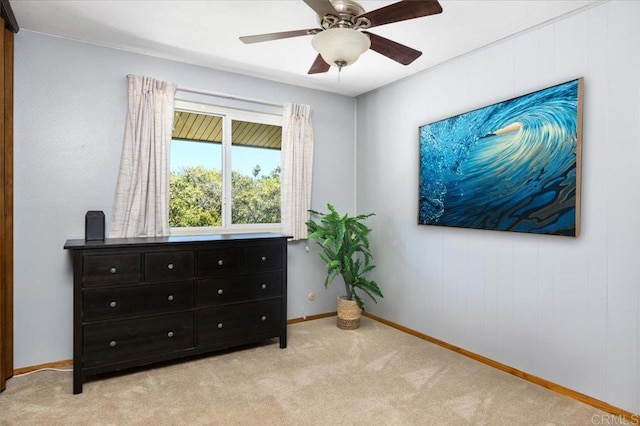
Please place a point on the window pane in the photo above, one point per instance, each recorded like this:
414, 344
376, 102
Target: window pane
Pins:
195, 185
255, 173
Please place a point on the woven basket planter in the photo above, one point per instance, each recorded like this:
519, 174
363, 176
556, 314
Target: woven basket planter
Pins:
348, 314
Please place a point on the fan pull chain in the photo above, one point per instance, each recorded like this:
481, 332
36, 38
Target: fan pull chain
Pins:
340, 65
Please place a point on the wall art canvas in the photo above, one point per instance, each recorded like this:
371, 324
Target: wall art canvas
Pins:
511, 166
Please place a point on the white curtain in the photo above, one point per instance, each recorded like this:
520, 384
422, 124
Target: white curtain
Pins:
297, 168
141, 205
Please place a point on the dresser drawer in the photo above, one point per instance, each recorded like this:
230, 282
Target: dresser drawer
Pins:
224, 323
111, 269
219, 262
168, 266
218, 291
120, 302
125, 340
262, 258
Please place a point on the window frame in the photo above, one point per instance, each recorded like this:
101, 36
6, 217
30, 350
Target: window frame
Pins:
228, 115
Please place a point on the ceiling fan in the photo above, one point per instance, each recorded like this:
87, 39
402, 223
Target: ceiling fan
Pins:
340, 42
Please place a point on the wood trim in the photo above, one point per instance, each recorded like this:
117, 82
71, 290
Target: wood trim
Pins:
7, 193
4, 297
67, 363
579, 157
596, 403
311, 317
11, 23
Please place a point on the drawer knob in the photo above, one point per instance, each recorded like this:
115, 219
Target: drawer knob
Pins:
264, 318
170, 266
220, 262
113, 304
112, 343
170, 298
264, 258
220, 291
219, 325
263, 286
170, 334
113, 270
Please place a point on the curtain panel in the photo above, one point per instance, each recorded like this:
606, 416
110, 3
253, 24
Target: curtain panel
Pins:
297, 169
141, 204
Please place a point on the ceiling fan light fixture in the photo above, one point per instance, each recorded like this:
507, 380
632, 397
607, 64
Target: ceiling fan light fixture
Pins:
340, 46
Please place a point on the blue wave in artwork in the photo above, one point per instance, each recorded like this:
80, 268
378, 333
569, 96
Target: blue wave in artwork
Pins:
509, 166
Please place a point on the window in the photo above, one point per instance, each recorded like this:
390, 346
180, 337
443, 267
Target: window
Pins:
225, 170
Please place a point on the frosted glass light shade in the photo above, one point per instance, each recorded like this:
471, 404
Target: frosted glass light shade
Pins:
340, 46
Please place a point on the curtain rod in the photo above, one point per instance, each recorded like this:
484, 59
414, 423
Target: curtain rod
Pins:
227, 96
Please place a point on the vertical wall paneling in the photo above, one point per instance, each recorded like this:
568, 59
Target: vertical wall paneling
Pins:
623, 129
637, 395
474, 290
477, 315
570, 53
544, 349
596, 157
562, 309
525, 285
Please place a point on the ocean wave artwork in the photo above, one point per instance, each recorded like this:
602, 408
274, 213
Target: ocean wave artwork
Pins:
511, 166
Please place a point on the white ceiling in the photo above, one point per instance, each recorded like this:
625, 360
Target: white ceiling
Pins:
206, 33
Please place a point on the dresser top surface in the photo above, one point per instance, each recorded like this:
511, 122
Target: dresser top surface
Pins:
81, 244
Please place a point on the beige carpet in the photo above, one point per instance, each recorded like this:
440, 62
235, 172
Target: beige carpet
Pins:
372, 376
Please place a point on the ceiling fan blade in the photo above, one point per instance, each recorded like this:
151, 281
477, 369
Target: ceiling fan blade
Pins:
277, 36
392, 50
319, 66
322, 7
402, 11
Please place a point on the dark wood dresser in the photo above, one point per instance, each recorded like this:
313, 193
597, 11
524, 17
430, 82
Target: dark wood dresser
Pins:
138, 301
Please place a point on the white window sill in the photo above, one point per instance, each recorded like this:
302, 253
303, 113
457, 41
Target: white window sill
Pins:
238, 229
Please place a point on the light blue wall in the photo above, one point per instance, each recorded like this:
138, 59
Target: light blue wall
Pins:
70, 108
566, 310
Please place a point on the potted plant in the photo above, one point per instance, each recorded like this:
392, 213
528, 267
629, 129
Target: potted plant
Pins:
344, 246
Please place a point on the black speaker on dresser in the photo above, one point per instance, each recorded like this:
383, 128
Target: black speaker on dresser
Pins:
94, 226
